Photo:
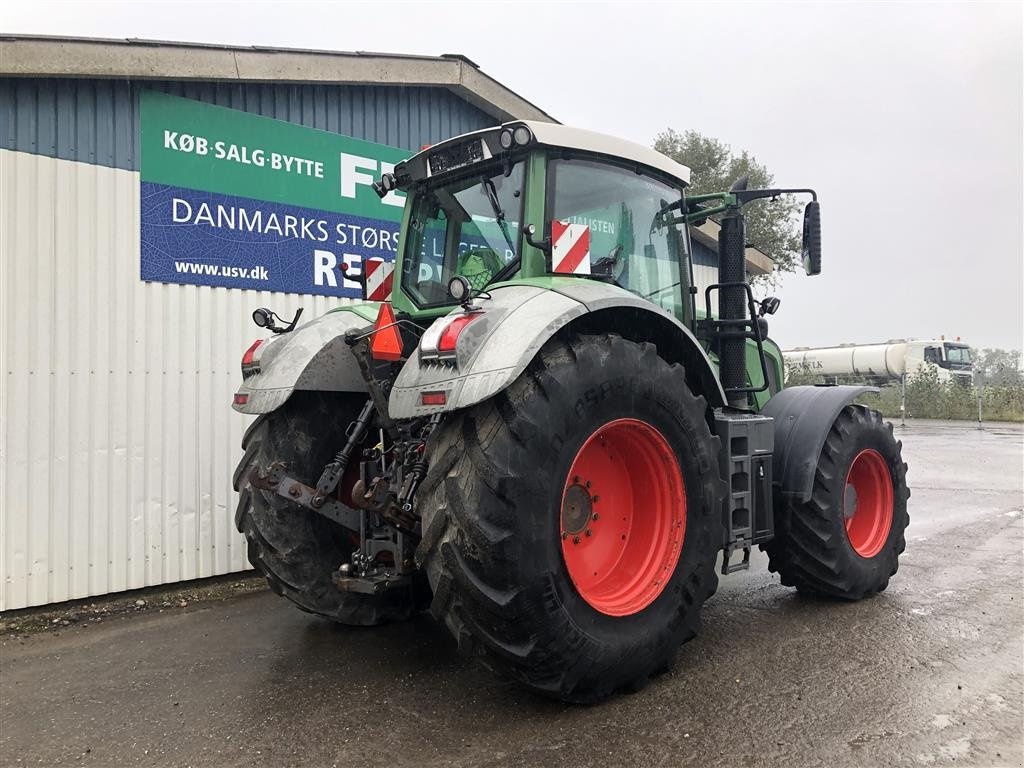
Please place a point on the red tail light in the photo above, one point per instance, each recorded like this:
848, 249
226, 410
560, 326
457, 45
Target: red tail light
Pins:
250, 363
387, 341
450, 335
433, 398
251, 352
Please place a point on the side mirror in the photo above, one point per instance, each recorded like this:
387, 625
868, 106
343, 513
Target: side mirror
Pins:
812, 238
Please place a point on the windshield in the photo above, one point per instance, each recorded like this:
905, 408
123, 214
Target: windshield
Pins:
958, 354
468, 227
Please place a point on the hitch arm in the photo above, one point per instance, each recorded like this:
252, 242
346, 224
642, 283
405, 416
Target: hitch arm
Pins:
332, 473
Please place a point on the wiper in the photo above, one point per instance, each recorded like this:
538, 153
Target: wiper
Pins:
499, 214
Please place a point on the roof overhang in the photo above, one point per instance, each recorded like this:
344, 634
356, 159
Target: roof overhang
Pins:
40, 56
758, 262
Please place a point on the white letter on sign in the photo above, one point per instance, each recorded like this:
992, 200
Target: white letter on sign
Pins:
174, 211
324, 264
351, 175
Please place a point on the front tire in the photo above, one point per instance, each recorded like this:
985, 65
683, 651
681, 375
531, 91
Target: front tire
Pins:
845, 542
499, 519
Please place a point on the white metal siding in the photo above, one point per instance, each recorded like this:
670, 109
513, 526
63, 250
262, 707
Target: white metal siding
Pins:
703, 276
118, 439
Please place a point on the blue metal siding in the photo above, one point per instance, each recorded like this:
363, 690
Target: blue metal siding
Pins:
97, 121
702, 255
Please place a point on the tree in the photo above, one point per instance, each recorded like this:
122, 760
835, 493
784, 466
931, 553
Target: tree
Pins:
998, 367
773, 227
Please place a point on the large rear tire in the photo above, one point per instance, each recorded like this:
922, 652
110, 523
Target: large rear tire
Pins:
535, 539
295, 549
846, 540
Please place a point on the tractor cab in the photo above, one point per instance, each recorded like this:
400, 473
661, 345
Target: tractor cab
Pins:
533, 200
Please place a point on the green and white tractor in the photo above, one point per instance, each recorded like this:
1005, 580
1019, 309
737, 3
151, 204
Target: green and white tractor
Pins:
548, 435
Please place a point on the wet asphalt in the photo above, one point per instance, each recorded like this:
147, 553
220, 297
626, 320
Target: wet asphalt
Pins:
929, 673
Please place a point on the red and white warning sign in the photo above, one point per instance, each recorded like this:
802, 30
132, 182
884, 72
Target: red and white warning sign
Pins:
570, 248
379, 275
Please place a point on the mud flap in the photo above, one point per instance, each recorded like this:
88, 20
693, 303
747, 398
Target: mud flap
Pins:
803, 417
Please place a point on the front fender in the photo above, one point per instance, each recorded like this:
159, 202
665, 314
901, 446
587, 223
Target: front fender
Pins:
517, 320
313, 356
803, 417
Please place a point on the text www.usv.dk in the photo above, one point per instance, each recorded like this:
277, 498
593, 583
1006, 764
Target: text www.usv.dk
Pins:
215, 270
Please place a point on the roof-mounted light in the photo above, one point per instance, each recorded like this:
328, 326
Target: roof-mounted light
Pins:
386, 184
522, 135
506, 139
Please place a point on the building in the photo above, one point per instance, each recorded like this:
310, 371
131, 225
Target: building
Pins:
118, 438
118, 442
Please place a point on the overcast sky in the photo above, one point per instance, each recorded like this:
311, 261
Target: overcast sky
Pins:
907, 119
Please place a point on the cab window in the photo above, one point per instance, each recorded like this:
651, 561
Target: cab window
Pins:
468, 226
955, 354
630, 244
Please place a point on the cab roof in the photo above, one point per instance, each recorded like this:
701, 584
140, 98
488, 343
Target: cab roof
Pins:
555, 135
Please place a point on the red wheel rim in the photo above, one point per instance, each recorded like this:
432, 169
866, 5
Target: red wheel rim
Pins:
623, 517
867, 503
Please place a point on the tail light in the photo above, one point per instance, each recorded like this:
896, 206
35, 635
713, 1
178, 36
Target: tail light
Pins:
442, 337
450, 335
387, 341
250, 362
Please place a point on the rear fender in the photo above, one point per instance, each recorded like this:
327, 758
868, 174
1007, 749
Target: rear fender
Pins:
313, 356
518, 319
803, 417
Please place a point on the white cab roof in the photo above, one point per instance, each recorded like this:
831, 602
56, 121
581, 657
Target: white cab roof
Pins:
557, 135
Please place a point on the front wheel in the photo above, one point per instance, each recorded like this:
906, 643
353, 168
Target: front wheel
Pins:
571, 523
846, 540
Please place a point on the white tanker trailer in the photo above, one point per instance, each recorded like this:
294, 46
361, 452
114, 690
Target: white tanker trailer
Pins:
887, 362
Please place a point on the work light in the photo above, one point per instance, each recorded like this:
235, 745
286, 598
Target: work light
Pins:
459, 288
264, 318
522, 135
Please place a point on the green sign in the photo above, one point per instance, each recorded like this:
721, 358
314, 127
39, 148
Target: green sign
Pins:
239, 200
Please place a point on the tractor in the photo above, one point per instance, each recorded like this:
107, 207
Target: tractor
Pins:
549, 436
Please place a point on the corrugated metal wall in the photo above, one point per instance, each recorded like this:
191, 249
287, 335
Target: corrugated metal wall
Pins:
97, 121
118, 440
705, 272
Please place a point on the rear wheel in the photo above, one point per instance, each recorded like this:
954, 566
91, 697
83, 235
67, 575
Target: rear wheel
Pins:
571, 523
846, 540
295, 549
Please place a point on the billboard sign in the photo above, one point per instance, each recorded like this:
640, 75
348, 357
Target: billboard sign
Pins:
238, 200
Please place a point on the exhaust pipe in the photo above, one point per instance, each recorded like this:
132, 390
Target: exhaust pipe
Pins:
732, 305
